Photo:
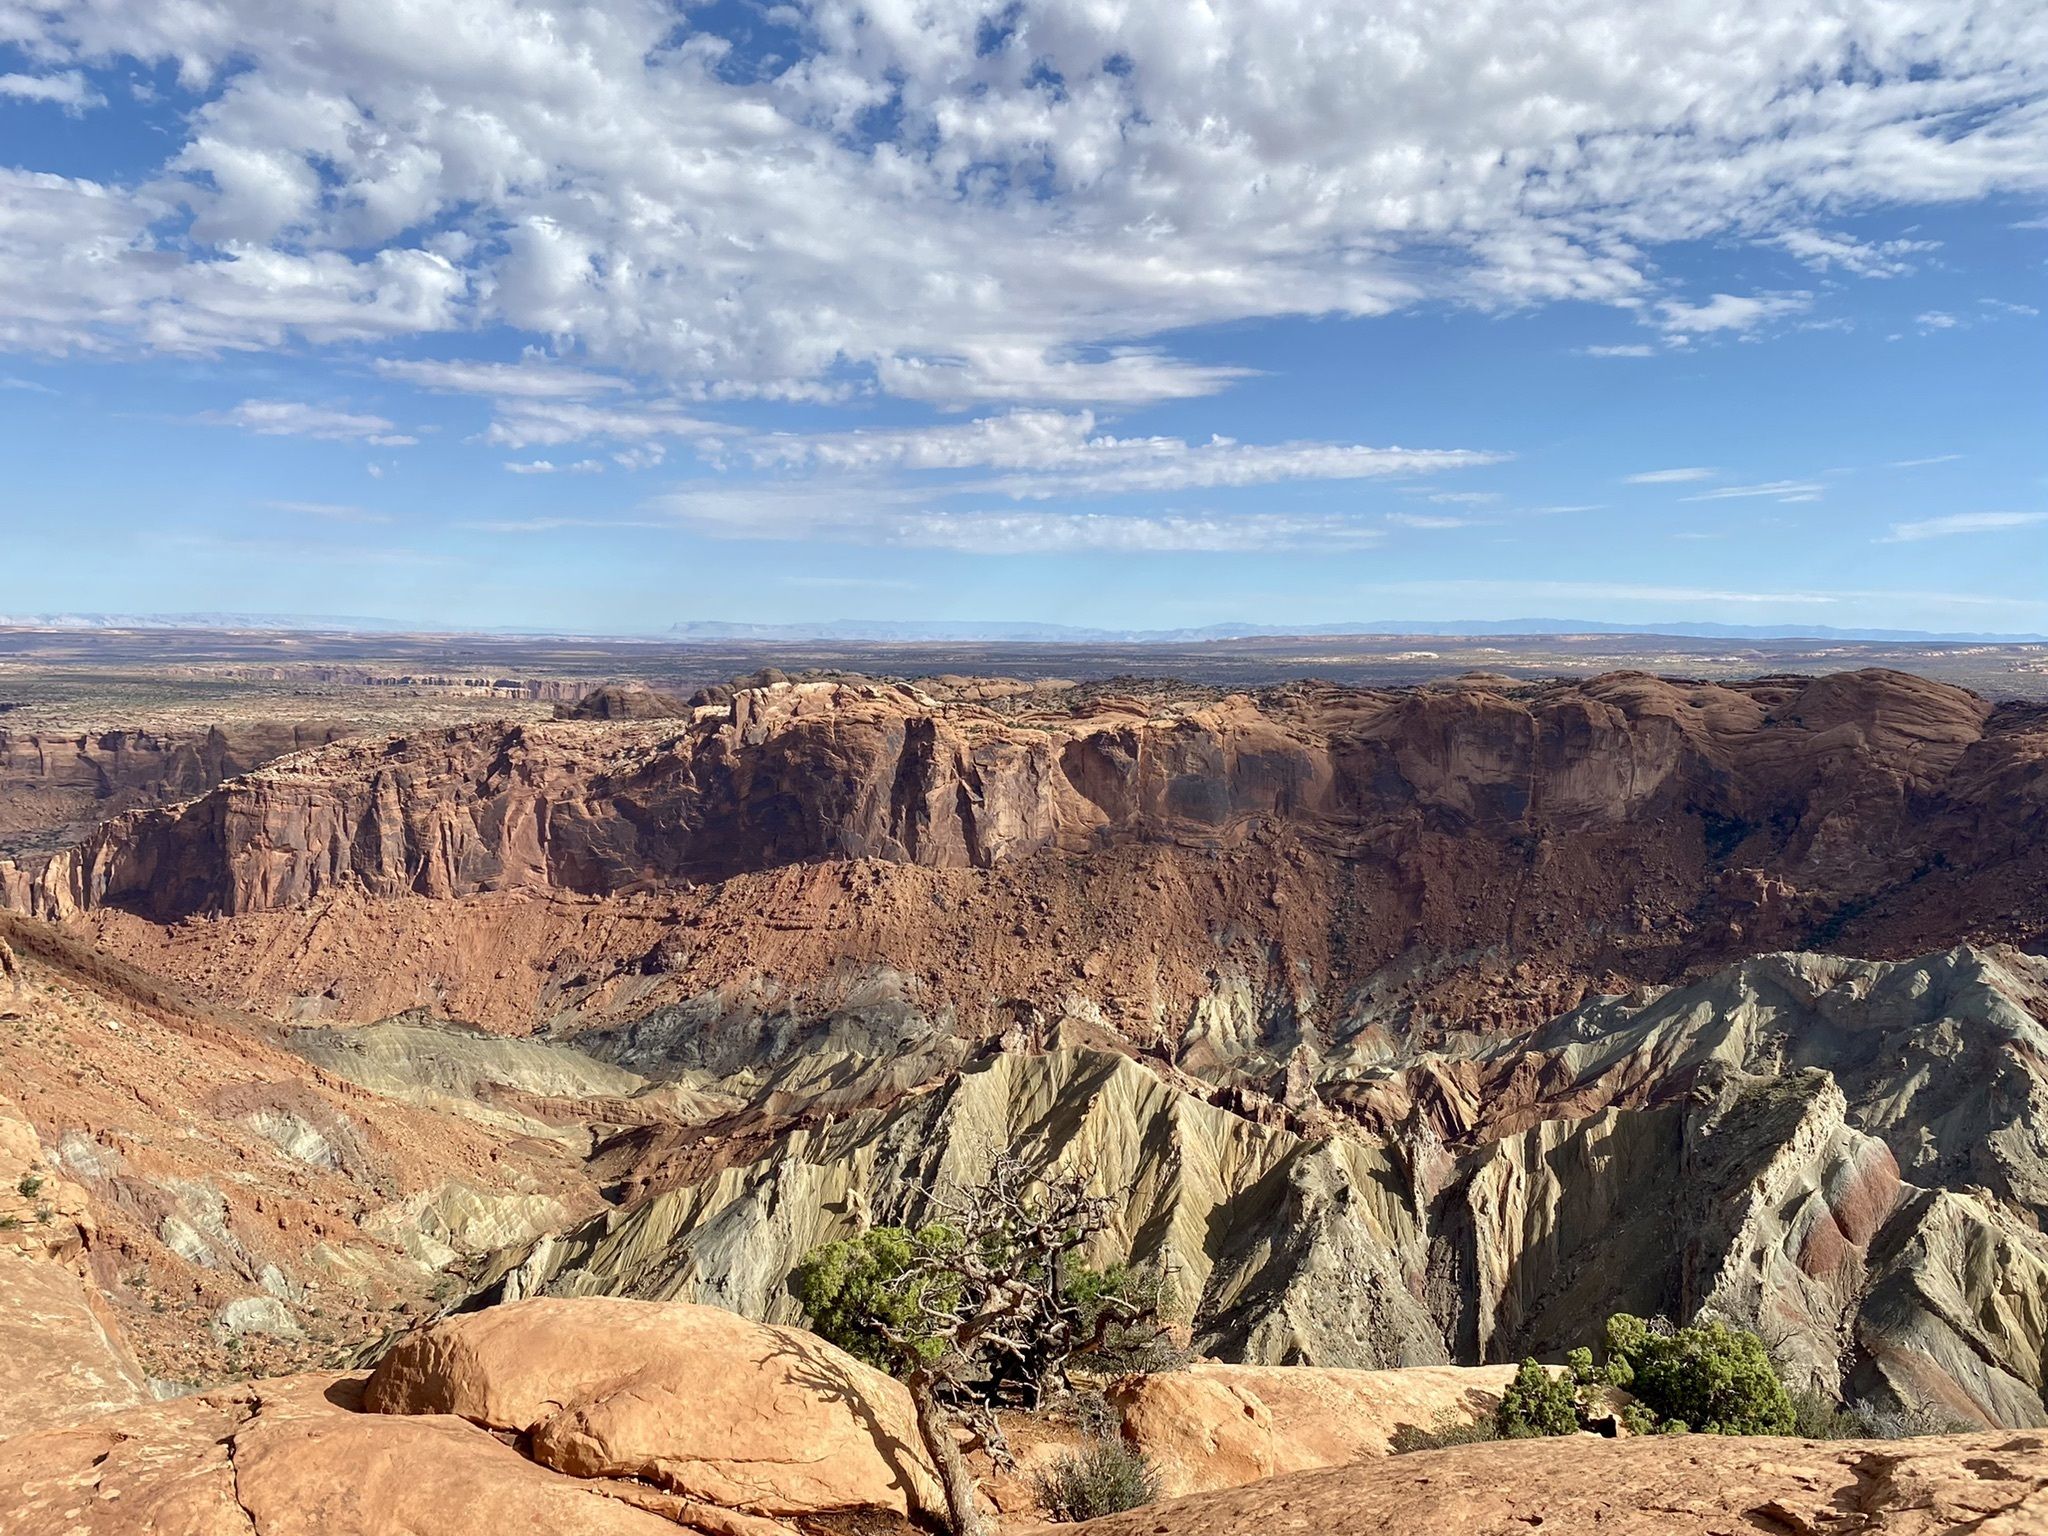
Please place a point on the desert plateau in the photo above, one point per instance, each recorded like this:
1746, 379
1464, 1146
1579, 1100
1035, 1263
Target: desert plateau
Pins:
986, 767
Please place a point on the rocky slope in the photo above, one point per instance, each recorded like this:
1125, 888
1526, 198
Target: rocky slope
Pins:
218, 1205
1845, 1156
628, 1419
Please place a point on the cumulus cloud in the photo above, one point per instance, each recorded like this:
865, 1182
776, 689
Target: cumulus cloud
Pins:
542, 423
294, 418
1957, 523
67, 89
980, 203
549, 467
1863, 258
1738, 313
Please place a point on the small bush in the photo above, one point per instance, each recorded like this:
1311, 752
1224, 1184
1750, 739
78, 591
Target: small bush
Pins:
1537, 1403
31, 1185
1818, 1417
1106, 1477
1447, 1428
1709, 1376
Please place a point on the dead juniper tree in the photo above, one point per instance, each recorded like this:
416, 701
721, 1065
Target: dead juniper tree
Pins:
987, 1300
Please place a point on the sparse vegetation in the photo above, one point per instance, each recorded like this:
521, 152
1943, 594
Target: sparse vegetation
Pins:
1448, 1428
1101, 1479
987, 1304
1819, 1417
1537, 1403
30, 1186
1707, 1376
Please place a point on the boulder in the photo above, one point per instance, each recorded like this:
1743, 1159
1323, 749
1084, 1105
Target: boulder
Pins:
694, 1400
1221, 1426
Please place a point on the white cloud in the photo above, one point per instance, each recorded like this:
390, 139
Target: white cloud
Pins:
536, 423
1740, 313
294, 418
1937, 458
1044, 201
1426, 520
1057, 453
894, 517
1128, 376
531, 379
1774, 490
67, 89
1875, 258
548, 467
1669, 476
1936, 320
1957, 523
1625, 349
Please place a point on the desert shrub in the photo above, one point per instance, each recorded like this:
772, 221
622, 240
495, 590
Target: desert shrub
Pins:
1448, 1428
1537, 1403
1100, 1479
859, 1293
1708, 1376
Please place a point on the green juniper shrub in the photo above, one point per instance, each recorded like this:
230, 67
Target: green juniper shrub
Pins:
1102, 1478
1708, 1376
1537, 1403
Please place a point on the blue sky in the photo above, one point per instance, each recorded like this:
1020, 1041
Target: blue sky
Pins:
474, 313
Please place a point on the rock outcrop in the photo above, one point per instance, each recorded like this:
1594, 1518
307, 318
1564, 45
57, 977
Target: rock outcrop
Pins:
1770, 1145
695, 1401
61, 1358
1221, 1426
585, 1418
1657, 1485
55, 787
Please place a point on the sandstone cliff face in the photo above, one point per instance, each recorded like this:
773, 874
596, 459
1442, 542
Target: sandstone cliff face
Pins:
1828, 785
54, 788
1229, 877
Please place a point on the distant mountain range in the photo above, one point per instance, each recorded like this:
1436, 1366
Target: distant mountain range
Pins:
887, 631
1011, 632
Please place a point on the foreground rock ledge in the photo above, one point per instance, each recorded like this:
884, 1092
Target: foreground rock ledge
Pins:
570, 1418
695, 1400
1677, 1485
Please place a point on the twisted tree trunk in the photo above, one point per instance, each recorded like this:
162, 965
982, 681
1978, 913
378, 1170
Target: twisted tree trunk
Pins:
935, 1428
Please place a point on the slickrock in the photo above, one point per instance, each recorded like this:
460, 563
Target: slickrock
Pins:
1220, 1426
61, 1359
292, 1458
1656, 1485
696, 1401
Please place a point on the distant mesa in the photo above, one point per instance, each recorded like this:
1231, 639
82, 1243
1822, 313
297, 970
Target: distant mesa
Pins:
624, 701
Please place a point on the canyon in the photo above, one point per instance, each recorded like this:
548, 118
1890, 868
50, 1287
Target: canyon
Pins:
1413, 1028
